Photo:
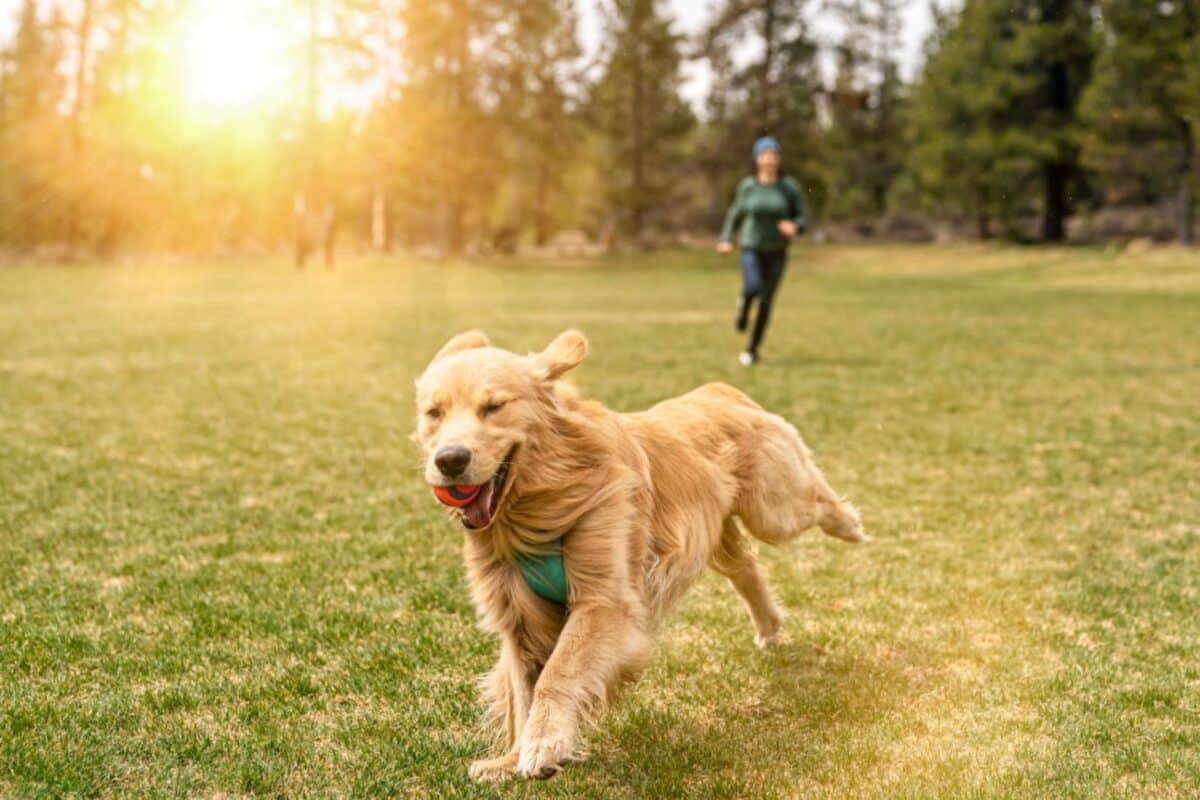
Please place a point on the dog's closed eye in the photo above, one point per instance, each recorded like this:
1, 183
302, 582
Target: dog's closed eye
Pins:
492, 406
433, 413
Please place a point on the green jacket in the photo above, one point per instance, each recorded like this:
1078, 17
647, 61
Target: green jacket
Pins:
758, 207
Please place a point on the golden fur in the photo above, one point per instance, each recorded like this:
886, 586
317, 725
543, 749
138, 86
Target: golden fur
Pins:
642, 503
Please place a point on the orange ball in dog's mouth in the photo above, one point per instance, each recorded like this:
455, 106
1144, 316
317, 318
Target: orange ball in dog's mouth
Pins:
476, 503
457, 496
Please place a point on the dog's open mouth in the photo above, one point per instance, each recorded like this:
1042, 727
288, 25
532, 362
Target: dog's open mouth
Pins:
476, 505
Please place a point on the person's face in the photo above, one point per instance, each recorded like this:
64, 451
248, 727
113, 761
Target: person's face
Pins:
768, 160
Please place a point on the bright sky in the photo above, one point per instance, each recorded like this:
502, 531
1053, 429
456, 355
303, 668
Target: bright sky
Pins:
690, 16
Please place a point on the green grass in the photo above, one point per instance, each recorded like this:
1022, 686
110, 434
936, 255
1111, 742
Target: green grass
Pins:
220, 574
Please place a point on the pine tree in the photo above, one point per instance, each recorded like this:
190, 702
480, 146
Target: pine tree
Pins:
536, 86
961, 161
449, 54
1143, 132
997, 107
1055, 42
866, 141
640, 114
777, 93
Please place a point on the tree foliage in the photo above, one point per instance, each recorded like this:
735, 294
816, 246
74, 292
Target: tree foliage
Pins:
485, 124
867, 107
996, 112
639, 114
1141, 108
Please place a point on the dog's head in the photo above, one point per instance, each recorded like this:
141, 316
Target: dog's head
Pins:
477, 407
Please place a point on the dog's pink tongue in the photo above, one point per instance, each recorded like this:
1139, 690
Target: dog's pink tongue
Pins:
479, 510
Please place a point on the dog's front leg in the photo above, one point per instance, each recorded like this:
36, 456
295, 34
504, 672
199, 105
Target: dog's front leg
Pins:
510, 689
598, 646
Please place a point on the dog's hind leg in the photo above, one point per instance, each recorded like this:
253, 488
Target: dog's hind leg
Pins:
785, 493
734, 559
841, 520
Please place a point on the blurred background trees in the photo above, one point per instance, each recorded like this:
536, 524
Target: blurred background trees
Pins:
1140, 107
640, 118
486, 125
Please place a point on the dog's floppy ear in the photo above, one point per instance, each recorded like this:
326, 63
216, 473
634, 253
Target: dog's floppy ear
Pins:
464, 341
566, 351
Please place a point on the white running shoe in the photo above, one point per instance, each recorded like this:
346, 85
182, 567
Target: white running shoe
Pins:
747, 359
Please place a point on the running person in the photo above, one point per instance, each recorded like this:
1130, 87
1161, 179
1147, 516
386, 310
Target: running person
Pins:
770, 208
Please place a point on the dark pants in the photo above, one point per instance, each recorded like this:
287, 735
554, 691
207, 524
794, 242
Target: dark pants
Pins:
762, 273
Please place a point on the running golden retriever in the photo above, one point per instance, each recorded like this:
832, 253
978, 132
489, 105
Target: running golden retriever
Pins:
637, 504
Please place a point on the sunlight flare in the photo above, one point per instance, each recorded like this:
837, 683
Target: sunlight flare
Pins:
234, 56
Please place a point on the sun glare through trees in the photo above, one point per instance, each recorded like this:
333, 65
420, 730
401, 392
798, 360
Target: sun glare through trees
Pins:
234, 55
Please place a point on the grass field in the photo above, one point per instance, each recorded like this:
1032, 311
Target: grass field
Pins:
221, 575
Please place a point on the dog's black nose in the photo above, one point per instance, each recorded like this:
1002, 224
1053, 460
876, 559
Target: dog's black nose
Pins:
452, 460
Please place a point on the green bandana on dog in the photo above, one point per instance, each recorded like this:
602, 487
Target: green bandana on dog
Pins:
545, 574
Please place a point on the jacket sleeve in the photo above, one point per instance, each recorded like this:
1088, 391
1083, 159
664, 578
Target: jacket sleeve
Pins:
798, 205
733, 217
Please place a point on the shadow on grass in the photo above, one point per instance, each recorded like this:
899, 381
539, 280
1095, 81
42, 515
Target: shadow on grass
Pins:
798, 712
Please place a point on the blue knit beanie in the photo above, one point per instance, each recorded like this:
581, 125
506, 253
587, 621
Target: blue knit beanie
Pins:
766, 143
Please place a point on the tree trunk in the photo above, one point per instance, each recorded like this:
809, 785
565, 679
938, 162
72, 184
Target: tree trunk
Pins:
77, 111
311, 202
541, 216
1054, 214
329, 223
117, 84
1057, 172
300, 221
636, 120
765, 77
455, 206
1187, 214
380, 230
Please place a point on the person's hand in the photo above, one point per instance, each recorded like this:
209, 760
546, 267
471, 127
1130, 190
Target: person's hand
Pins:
724, 248
787, 228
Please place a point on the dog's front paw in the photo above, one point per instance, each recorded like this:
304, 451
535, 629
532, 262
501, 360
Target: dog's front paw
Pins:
542, 758
764, 641
493, 770
768, 627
